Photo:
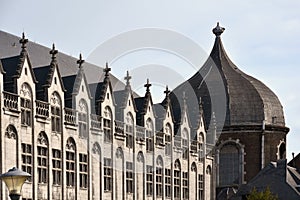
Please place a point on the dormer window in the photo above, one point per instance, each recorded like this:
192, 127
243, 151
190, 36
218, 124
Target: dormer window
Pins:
107, 95
25, 71
55, 81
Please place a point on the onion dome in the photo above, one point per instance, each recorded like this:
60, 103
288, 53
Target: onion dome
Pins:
235, 97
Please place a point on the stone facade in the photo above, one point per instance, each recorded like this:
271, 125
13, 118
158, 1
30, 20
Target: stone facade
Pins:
87, 141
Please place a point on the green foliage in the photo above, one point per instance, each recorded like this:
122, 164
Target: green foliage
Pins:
264, 195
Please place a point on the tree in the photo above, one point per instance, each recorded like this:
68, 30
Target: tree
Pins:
263, 195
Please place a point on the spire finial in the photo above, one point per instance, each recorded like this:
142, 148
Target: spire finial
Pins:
23, 41
127, 78
53, 52
167, 91
80, 61
147, 86
106, 69
218, 30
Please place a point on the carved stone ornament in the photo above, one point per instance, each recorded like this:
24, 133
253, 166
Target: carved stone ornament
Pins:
55, 99
82, 106
177, 164
119, 153
194, 167
11, 132
140, 157
42, 139
70, 145
96, 149
25, 91
159, 161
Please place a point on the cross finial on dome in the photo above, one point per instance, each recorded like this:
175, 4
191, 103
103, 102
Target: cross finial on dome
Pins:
80, 61
147, 86
23, 41
106, 69
218, 30
53, 52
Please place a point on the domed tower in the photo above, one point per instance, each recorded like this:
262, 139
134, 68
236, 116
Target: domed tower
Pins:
245, 114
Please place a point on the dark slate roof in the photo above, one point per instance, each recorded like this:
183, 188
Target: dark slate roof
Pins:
235, 97
69, 82
160, 116
42, 77
121, 96
295, 162
72, 86
282, 180
13, 68
10, 66
39, 56
142, 104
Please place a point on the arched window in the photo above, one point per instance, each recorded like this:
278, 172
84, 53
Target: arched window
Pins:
159, 176
177, 181
229, 166
83, 118
149, 135
129, 130
70, 162
107, 124
26, 104
55, 102
184, 141
42, 157
168, 136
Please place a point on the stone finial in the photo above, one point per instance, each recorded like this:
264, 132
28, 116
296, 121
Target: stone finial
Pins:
23, 41
80, 61
106, 70
127, 78
147, 86
167, 91
53, 52
218, 30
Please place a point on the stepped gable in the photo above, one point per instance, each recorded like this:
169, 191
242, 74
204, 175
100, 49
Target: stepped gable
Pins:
236, 98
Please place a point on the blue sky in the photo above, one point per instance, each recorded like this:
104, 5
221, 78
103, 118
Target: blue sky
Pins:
261, 37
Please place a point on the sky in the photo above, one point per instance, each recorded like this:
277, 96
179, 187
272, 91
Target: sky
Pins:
261, 38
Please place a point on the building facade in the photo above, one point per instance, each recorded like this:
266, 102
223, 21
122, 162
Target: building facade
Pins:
87, 141
83, 139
